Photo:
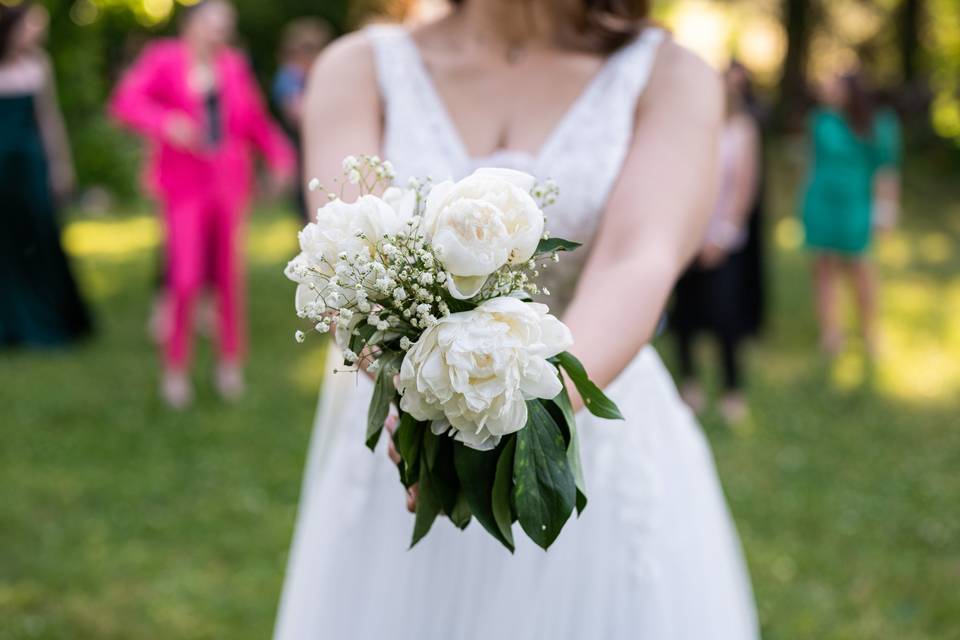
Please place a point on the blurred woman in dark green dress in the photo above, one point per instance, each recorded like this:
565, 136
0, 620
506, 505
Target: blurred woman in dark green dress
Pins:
853, 189
39, 302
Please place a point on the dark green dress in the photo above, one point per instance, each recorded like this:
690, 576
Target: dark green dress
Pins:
838, 201
39, 302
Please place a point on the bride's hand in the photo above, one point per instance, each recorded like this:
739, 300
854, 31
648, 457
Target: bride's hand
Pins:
365, 357
391, 425
364, 361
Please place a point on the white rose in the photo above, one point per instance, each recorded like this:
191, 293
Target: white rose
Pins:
481, 223
473, 372
351, 228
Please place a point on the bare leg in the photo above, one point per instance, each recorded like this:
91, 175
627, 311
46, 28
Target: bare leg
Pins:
825, 270
690, 389
734, 405
158, 324
865, 286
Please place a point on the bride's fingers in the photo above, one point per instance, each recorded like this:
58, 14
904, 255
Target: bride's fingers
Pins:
391, 425
392, 453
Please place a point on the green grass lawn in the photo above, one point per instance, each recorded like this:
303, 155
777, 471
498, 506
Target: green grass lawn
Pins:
120, 519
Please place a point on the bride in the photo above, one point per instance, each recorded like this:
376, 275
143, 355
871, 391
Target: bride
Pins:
589, 93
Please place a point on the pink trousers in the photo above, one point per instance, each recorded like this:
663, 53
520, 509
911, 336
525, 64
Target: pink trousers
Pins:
204, 236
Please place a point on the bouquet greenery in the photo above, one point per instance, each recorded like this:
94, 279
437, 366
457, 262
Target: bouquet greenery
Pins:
428, 288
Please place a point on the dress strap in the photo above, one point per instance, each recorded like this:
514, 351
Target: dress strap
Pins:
609, 101
634, 62
390, 58
415, 117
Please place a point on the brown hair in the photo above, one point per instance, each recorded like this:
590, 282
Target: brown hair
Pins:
10, 17
600, 26
305, 35
189, 11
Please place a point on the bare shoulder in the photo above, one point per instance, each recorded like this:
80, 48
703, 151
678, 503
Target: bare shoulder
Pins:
684, 85
346, 66
342, 88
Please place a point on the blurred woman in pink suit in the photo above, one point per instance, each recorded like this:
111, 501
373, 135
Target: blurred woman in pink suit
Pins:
196, 102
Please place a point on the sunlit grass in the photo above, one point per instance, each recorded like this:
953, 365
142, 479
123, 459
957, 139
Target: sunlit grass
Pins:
273, 241
788, 234
114, 239
121, 520
919, 356
306, 371
268, 242
844, 486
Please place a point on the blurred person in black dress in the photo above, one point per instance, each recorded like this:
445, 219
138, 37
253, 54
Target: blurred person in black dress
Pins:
39, 302
721, 293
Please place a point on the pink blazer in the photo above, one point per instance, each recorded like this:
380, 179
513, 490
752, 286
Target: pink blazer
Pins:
156, 87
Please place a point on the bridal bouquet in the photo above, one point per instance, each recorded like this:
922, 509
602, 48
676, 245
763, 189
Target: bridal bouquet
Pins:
428, 288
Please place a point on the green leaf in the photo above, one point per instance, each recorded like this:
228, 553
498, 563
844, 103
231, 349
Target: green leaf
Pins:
431, 445
457, 306
460, 516
555, 244
383, 394
544, 491
594, 399
443, 475
562, 402
500, 496
360, 336
428, 506
408, 439
477, 472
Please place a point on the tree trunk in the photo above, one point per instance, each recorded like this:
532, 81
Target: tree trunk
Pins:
908, 37
798, 23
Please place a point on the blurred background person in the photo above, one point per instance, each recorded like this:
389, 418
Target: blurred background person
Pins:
196, 101
721, 292
853, 185
39, 302
303, 39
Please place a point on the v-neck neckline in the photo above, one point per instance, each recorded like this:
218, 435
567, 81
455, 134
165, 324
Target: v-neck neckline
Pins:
456, 138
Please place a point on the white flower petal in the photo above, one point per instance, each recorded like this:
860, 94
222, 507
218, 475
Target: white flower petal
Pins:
541, 380
475, 370
464, 288
519, 179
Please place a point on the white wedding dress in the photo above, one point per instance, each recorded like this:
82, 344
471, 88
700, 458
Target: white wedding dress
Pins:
654, 556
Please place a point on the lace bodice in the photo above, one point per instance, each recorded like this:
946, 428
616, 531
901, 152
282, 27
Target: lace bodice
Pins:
584, 153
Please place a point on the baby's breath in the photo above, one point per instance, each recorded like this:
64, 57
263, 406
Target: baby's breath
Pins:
397, 286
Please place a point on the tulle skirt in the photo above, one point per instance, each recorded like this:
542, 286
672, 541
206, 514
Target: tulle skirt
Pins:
654, 556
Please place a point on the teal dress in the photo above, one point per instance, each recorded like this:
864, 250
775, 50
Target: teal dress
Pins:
838, 201
39, 302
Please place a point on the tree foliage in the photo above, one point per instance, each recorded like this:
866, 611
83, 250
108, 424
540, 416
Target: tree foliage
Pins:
92, 40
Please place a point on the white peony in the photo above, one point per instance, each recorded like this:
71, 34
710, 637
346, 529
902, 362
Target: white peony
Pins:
481, 223
473, 372
351, 228
403, 201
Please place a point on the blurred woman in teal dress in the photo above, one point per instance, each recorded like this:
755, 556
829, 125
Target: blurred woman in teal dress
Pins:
853, 189
39, 302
